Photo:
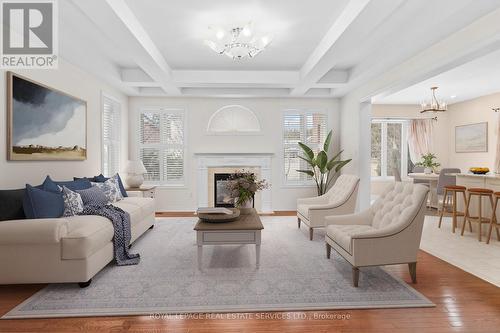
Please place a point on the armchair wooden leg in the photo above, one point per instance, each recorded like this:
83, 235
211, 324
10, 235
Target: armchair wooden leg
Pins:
328, 250
311, 233
413, 271
298, 222
355, 276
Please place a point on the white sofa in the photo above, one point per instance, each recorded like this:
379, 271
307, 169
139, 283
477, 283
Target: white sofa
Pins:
67, 249
387, 233
339, 200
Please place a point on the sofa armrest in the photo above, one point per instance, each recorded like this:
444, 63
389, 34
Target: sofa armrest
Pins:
362, 218
33, 231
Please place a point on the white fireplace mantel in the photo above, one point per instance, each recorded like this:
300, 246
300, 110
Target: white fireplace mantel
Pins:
210, 160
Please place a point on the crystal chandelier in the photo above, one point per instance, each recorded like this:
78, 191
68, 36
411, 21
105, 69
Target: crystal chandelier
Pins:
434, 105
238, 43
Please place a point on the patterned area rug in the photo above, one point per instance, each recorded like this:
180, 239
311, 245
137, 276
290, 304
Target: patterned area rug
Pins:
294, 275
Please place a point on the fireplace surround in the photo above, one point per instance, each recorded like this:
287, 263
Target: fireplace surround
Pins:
210, 163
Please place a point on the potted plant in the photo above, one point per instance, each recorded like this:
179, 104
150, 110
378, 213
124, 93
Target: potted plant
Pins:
323, 169
428, 163
243, 186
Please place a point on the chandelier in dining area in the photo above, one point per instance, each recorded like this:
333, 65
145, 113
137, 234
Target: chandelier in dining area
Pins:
434, 104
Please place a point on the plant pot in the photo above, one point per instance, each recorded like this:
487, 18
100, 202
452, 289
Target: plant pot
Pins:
428, 171
246, 207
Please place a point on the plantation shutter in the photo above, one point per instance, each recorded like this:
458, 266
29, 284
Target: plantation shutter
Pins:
161, 140
111, 128
306, 127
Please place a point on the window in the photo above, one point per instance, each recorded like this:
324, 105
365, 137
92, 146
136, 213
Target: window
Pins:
161, 145
111, 128
389, 148
309, 128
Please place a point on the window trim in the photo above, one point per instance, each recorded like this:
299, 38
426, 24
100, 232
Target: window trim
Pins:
301, 111
383, 144
164, 109
104, 96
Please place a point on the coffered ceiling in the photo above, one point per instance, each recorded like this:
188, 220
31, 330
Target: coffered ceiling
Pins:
321, 48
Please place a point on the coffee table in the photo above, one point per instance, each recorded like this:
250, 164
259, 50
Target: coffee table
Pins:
245, 230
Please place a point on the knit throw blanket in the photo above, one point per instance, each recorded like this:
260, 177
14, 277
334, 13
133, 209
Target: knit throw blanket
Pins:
122, 232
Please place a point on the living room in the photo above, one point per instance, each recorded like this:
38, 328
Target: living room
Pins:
221, 166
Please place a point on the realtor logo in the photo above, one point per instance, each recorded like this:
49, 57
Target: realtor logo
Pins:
29, 35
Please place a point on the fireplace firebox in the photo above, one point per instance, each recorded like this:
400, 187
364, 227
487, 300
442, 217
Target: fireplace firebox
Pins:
222, 196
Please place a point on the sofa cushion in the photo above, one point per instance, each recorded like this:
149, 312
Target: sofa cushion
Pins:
39, 204
138, 208
11, 204
342, 234
86, 235
147, 205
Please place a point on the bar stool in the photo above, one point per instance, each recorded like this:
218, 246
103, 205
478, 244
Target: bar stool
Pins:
493, 222
480, 193
450, 192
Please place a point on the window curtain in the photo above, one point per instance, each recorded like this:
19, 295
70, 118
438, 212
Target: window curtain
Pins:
420, 134
497, 157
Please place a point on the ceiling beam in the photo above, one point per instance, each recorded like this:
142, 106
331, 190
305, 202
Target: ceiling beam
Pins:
118, 22
250, 78
313, 69
136, 77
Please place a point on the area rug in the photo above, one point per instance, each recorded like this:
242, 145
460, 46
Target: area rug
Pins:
294, 274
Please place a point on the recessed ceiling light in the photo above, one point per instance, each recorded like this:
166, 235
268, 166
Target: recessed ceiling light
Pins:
453, 96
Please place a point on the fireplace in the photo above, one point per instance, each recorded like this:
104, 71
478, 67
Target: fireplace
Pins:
222, 196
210, 164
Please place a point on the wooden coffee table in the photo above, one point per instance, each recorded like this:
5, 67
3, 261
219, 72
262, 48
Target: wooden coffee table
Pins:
245, 230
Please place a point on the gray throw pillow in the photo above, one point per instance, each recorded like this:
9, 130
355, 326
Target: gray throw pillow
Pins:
93, 196
73, 203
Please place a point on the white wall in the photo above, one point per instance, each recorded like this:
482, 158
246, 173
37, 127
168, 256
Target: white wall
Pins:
469, 112
72, 80
199, 110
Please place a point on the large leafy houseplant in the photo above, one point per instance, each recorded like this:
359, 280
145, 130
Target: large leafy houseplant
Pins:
323, 168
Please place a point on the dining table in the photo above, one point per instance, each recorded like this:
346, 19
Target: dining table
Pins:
432, 179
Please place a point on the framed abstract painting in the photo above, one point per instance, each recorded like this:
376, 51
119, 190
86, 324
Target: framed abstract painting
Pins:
44, 124
471, 138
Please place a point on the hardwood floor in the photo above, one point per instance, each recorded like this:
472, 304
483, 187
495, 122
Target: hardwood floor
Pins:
464, 302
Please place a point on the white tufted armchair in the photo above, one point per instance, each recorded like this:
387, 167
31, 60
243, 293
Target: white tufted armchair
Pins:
339, 200
387, 233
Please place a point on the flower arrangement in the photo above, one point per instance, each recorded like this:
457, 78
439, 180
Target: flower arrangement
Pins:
243, 186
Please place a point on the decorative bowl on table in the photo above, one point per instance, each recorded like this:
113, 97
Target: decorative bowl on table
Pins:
479, 171
220, 218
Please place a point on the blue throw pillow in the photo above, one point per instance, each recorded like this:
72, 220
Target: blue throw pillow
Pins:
41, 204
102, 179
53, 186
93, 196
